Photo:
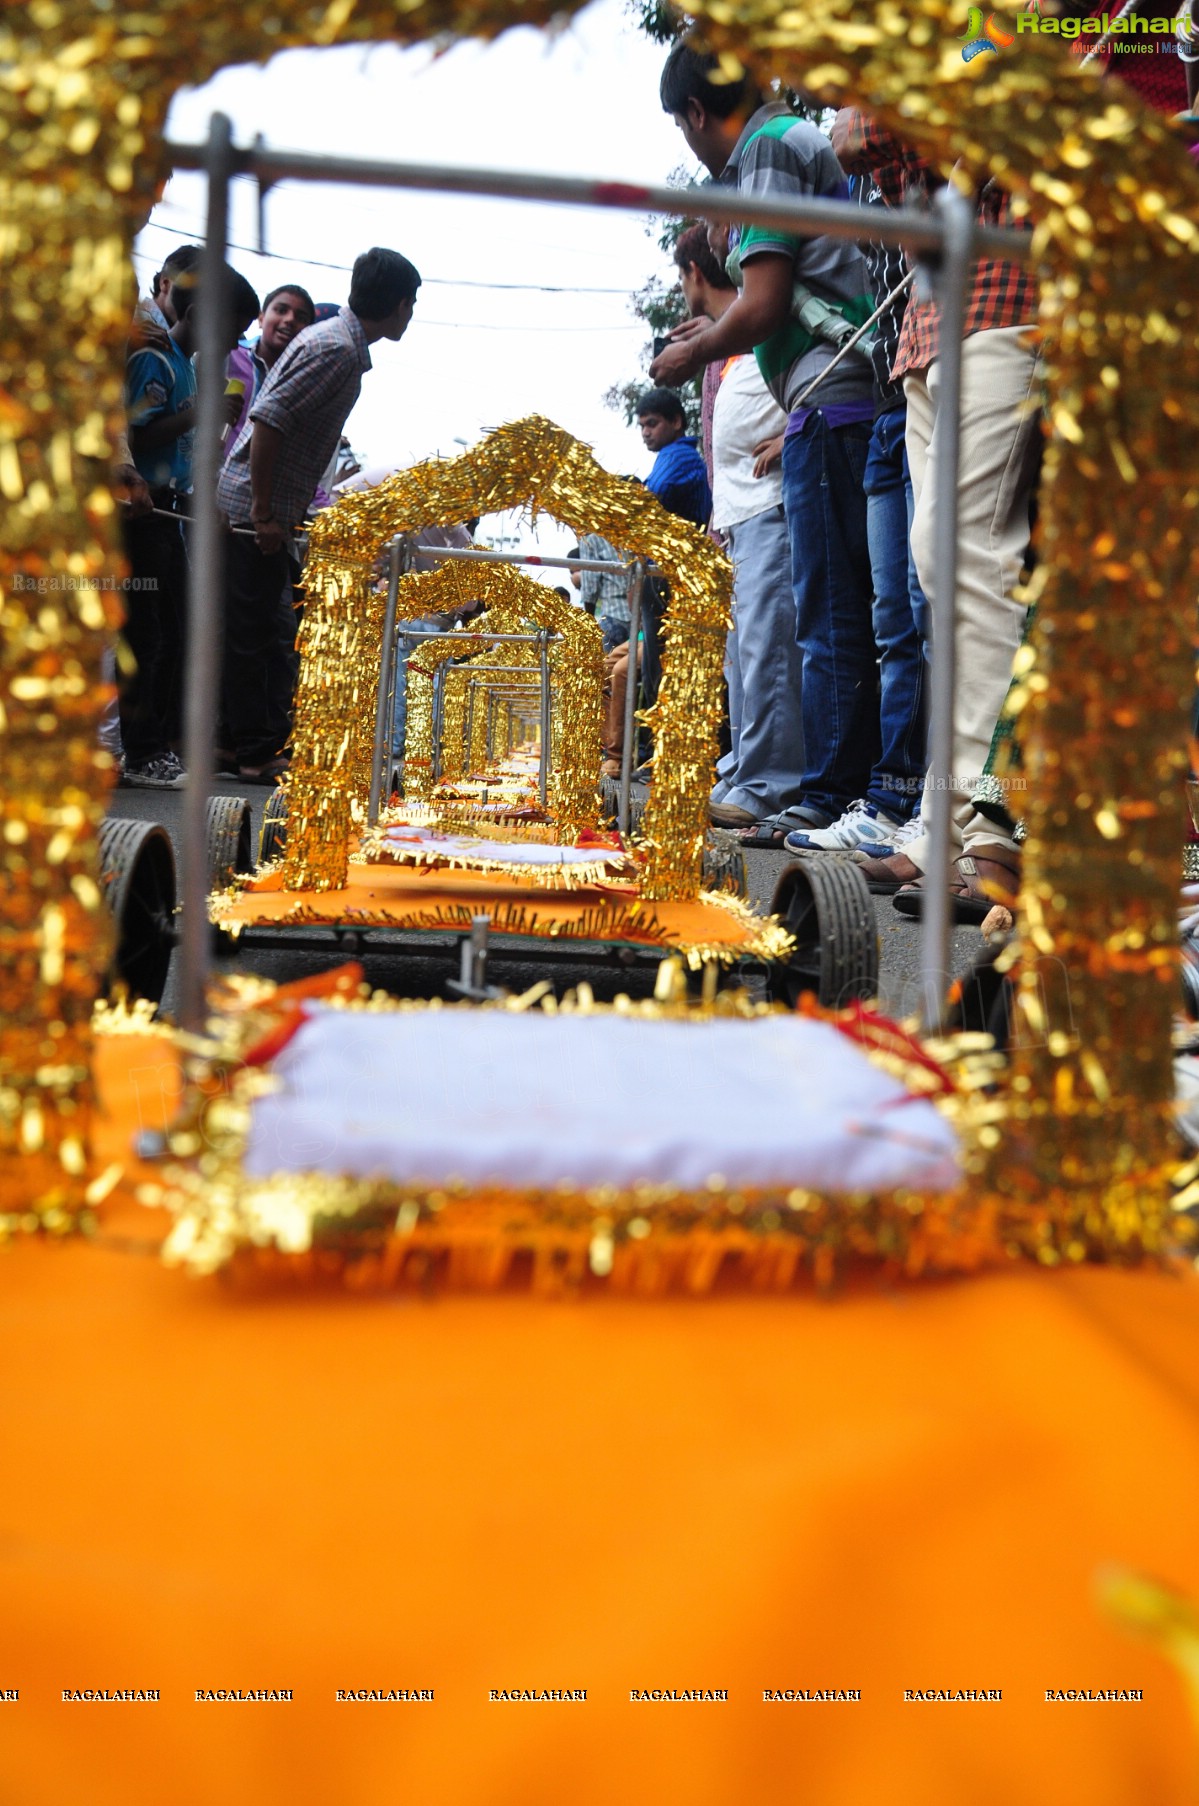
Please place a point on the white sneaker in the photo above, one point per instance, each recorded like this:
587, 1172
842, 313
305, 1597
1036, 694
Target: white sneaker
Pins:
863, 828
900, 838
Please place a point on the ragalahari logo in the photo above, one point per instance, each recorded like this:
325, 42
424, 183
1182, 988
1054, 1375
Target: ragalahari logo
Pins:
984, 36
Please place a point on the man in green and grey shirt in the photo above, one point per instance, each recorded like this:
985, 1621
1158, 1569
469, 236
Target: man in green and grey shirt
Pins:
767, 151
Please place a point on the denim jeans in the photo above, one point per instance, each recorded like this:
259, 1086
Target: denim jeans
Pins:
615, 633
766, 774
825, 507
897, 781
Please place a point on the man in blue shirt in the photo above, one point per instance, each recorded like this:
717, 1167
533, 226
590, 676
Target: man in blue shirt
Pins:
678, 478
160, 398
680, 482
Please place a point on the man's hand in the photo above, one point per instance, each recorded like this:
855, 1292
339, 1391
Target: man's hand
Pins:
768, 455
232, 405
131, 490
269, 536
683, 356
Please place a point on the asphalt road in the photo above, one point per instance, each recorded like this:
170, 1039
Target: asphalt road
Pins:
413, 970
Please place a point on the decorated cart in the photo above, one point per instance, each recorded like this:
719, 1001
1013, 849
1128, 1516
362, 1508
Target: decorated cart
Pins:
270, 1486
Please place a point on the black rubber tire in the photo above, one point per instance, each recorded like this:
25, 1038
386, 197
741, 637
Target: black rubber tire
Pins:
610, 804
273, 838
824, 903
230, 840
137, 878
724, 863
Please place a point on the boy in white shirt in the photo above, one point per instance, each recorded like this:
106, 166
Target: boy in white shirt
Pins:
763, 773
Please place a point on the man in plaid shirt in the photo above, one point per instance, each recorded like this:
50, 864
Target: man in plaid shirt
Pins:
267, 484
608, 591
999, 461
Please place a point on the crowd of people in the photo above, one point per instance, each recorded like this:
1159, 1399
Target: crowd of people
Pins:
287, 397
815, 466
819, 445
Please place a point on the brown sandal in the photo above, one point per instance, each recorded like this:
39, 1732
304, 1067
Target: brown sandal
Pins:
988, 875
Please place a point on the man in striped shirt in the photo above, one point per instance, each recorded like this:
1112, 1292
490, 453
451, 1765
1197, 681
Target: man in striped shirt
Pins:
767, 151
267, 484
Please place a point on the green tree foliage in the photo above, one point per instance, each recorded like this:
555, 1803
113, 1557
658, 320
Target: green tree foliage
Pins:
657, 19
659, 304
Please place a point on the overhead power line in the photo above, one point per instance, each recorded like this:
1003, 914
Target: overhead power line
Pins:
316, 263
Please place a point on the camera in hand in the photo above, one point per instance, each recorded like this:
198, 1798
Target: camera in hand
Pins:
660, 345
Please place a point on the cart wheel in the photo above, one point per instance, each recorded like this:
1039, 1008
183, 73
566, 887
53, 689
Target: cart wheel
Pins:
137, 878
610, 804
273, 837
824, 904
230, 840
724, 863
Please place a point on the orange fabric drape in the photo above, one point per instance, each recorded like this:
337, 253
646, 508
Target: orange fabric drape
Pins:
212, 1484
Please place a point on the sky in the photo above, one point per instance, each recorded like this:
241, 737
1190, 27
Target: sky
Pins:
524, 308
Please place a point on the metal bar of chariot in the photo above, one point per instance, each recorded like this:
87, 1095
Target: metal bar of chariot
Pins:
486, 639
399, 556
632, 683
937, 802
481, 555
204, 589
833, 219
543, 765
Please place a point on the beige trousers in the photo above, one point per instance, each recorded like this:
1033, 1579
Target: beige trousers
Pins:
1000, 442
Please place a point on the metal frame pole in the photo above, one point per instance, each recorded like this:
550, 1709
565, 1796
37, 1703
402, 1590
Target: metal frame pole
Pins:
399, 653
957, 219
834, 219
630, 697
438, 717
205, 586
469, 738
481, 639
397, 562
543, 772
484, 555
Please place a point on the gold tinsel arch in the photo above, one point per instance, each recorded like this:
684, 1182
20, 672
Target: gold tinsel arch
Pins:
457, 758
513, 603
82, 108
533, 462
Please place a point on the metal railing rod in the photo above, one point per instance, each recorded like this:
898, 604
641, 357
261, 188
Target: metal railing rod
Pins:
632, 683
205, 585
543, 766
486, 639
833, 219
937, 802
480, 555
398, 557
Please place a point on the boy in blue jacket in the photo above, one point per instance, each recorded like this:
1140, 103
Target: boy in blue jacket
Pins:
680, 482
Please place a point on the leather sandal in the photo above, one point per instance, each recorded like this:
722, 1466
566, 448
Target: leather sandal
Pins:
885, 876
982, 878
